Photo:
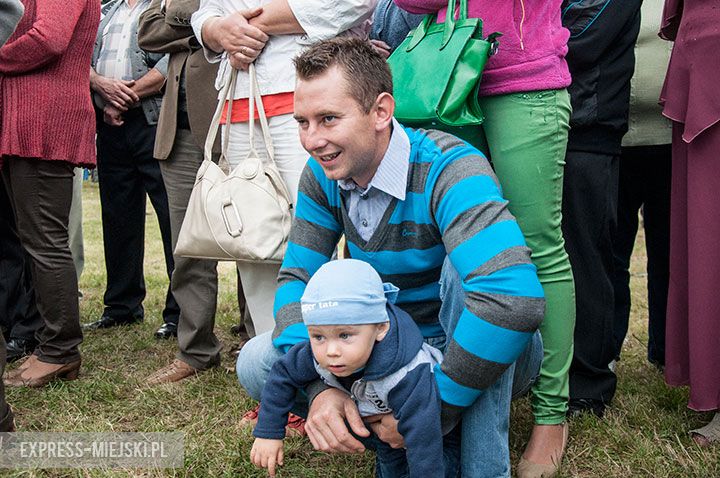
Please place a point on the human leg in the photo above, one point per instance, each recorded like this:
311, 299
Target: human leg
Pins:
656, 219
630, 199
259, 281
143, 140
194, 281
254, 362
41, 193
589, 219
19, 316
529, 158
484, 448
122, 200
75, 231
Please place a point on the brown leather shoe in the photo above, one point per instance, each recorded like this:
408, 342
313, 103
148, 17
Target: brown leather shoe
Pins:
38, 373
176, 371
23, 365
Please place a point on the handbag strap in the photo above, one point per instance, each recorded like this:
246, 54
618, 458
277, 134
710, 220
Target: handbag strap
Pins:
449, 25
255, 99
226, 95
450, 19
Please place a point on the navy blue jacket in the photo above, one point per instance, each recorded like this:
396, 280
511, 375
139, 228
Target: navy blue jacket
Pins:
398, 378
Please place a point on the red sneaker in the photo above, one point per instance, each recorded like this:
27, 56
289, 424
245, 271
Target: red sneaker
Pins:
295, 426
250, 418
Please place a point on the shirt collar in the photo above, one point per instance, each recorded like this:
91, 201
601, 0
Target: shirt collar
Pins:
391, 175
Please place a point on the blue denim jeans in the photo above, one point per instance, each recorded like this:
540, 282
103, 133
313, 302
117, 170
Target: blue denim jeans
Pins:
478, 446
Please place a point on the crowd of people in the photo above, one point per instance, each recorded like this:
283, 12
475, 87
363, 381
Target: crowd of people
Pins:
475, 269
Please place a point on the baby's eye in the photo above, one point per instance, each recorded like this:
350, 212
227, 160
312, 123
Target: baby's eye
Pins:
317, 338
344, 336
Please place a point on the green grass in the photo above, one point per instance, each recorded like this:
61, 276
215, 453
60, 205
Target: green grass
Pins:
644, 434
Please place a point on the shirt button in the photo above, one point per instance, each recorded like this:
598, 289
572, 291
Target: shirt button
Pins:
364, 196
364, 222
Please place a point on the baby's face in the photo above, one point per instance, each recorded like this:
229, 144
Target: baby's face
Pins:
344, 349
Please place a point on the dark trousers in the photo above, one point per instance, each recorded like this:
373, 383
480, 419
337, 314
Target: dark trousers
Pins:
19, 316
644, 185
7, 423
127, 172
589, 222
40, 192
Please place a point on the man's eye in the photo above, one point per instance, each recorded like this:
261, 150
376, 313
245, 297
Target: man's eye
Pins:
328, 119
301, 122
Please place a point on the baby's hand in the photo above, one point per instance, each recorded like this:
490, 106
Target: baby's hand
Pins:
267, 453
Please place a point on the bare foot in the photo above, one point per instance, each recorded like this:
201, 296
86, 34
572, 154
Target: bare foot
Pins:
547, 444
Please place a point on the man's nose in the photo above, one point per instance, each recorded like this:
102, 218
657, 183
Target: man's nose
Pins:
313, 139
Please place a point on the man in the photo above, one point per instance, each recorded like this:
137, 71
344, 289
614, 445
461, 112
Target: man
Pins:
601, 60
188, 105
425, 210
126, 82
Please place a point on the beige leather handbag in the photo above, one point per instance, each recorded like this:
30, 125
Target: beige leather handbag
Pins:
240, 216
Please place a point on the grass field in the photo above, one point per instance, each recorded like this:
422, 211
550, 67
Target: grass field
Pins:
643, 435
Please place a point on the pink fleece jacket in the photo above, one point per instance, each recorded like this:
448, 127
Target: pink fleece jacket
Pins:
532, 49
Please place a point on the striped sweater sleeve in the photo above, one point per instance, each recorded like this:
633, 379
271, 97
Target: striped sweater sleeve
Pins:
504, 301
314, 235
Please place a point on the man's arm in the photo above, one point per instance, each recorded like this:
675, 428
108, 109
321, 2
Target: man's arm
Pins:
149, 84
46, 40
314, 235
504, 301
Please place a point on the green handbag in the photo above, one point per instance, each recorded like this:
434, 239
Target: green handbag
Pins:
437, 69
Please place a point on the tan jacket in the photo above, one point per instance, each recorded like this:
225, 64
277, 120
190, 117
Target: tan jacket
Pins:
168, 31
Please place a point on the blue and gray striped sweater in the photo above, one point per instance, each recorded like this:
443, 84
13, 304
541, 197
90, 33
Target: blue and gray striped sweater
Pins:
453, 207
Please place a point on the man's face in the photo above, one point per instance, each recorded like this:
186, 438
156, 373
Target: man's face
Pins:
334, 129
344, 349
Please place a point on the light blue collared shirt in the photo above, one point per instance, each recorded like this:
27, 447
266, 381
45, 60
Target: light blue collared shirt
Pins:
366, 207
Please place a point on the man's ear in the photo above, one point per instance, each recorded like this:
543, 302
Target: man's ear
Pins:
384, 110
383, 329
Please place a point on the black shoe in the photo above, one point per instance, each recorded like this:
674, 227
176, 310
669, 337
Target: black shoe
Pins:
578, 406
106, 322
166, 330
19, 348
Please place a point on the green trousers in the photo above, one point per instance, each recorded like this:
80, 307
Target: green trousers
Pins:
526, 136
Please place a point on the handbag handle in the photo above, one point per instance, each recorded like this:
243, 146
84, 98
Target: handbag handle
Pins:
226, 95
422, 29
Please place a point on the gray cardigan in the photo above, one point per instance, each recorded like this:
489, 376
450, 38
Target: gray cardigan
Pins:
141, 61
11, 12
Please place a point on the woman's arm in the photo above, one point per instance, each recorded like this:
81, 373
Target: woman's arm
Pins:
46, 40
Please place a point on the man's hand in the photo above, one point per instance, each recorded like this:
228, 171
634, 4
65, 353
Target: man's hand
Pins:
385, 427
112, 116
325, 425
234, 35
117, 93
381, 47
267, 453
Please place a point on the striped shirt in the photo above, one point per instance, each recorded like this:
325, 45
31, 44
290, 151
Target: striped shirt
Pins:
453, 208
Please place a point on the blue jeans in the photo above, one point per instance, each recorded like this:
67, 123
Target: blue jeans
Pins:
478, 446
